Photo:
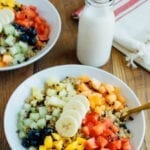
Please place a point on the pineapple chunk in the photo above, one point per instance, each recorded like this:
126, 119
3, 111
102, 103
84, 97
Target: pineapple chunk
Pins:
58, 145
42, 147
48, 142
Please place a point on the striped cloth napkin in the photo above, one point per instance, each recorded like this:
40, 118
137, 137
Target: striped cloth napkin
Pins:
132, 31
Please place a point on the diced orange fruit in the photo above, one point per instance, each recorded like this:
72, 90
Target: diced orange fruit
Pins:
84, 78
7, 59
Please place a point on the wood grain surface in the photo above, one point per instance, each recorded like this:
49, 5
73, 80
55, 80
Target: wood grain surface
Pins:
64, 52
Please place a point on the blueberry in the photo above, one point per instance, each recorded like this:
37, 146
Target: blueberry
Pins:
24, 37
34, 134
32, 41
25, 142
22, 29
19, 27
35, 137
31, 32
35, 143
16, 26
47, 131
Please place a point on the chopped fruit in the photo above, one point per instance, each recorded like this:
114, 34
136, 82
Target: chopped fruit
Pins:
29, 17
60, 117
2, 64
48, 142
21, 24
42, 147
91, 144
7, 59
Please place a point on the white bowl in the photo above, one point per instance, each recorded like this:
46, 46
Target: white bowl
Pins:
137, 126
49, 12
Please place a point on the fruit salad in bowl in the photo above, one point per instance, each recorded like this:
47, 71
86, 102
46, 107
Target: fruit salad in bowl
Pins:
27, 32
73, 107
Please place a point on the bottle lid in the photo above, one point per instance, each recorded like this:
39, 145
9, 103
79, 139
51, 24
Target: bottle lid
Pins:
110, 2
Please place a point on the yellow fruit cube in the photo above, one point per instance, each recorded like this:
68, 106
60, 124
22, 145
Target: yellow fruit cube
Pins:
81, 140
80, 147
42, 147
100, 109
48, 142
11, 3
96, 98
92, 104
56, 136
72, 146
58, 145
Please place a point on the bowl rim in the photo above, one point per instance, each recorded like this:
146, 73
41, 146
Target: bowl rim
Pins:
74, 66
44, 51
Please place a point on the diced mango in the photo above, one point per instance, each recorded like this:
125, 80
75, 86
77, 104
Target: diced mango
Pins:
10, 3
58, 145
72, 146
80, 147
96, 98
7, 4
100, 109
42, 147
48, 142
56, 136
84, 78
92, 104
81, 140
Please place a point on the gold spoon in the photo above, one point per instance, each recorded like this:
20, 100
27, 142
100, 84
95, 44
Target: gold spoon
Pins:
127, 113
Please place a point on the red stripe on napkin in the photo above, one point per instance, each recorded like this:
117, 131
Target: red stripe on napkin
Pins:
120, 11
131, 9
125, 7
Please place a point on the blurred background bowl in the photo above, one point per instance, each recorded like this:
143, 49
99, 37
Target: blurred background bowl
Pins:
50, 13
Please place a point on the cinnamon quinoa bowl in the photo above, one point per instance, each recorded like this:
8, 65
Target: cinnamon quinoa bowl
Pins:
53, 92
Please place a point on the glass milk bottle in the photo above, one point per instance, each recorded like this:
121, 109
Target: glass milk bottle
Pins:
95, 33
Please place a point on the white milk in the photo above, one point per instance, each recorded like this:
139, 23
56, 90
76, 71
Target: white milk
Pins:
95, 35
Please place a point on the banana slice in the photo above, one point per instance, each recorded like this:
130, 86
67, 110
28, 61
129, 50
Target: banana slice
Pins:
84, 101
10, 14
75, 114
6, 16
66, 126
2, 19
77, 106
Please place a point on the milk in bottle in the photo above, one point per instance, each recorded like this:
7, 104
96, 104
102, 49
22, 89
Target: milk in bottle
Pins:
95, 33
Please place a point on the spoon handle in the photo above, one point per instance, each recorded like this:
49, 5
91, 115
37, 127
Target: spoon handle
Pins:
139, 108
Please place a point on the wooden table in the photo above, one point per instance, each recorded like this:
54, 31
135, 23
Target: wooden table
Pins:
64, 52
